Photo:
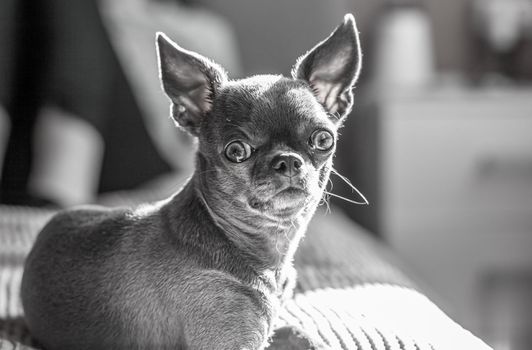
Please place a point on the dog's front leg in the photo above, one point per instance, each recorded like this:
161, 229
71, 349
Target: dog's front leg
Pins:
220, 313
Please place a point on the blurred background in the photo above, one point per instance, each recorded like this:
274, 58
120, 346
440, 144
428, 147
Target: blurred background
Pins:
440, 140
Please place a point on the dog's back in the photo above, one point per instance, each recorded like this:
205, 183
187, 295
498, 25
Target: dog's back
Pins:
81, 285
65, 277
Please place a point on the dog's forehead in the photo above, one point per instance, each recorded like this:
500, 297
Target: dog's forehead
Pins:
267, 102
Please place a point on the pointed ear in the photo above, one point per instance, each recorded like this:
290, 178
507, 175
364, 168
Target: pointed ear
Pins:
331, 68
190, 81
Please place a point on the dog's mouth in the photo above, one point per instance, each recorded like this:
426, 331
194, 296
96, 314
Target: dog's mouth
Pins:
292, 193
286, 203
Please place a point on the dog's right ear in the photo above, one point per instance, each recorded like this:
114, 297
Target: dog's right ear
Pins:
190, 81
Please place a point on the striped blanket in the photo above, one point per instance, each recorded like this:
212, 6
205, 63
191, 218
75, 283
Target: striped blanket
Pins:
351, 292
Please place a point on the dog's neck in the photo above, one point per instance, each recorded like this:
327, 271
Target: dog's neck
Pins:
268, 241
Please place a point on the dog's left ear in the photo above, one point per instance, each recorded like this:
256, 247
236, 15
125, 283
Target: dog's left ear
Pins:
332, 67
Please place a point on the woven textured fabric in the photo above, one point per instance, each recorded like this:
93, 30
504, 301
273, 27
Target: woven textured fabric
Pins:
352, 292
376, 316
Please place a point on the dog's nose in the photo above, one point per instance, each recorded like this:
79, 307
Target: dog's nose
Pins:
288, 164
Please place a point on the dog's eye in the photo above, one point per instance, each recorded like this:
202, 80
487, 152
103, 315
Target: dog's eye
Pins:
238, 151
321, 140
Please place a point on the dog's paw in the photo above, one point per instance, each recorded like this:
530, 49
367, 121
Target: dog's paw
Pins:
292, 338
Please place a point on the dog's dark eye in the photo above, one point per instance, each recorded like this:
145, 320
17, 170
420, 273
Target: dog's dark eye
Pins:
321, 140
238, 151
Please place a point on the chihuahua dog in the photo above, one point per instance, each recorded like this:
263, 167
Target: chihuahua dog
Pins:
209, 267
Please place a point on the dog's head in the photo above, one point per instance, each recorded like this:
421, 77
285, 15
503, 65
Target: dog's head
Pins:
265, 143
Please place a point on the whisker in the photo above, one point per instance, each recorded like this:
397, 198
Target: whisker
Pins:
353, 188
325, 200
347, 199
330, 182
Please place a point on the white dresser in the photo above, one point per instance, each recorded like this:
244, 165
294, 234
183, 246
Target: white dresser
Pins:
456, 189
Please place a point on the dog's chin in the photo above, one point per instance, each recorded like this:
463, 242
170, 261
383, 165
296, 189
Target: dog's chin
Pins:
286, 204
